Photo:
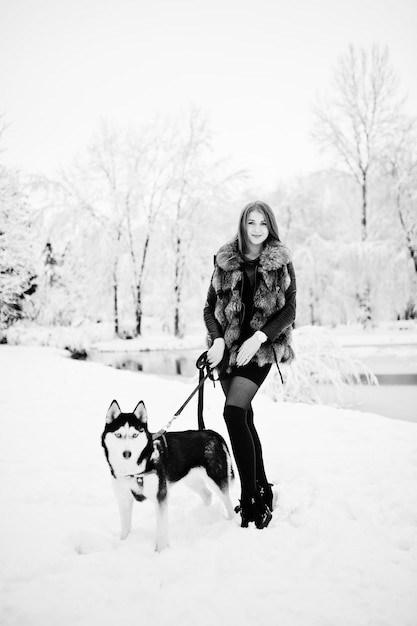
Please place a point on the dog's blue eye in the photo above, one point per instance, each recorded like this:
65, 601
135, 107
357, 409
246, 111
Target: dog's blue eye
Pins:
135, 435
118, 435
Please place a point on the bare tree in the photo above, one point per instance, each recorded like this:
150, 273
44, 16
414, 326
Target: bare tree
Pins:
355, 123
201, 183
18, 279
187, 198
106, 154
93, 189
399, 174
151, 172
122, 184
400, 162
144, 196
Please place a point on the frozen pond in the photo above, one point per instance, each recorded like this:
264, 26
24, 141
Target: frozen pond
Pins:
160, 362
394, 366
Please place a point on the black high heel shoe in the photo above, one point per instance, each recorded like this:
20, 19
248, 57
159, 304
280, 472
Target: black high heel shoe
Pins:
263, 515
265, 491
266, 494
247, 513
254, 511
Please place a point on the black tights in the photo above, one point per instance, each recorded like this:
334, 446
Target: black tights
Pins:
246, 445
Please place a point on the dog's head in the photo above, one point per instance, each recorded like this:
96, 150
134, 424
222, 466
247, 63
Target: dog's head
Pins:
126, 440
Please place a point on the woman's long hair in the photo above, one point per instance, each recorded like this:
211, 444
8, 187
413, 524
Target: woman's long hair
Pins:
271, 222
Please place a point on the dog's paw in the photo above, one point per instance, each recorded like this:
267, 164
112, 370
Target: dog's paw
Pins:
161, 545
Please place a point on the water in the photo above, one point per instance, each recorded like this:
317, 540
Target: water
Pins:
160, 362
397, 401
396, 371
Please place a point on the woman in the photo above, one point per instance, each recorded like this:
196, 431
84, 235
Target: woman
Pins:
249, 312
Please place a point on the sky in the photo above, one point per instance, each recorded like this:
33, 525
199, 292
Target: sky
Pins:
255, 66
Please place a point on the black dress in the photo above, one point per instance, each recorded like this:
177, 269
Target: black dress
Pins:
252, 370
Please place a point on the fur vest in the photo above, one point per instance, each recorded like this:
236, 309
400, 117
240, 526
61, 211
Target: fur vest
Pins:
269, 297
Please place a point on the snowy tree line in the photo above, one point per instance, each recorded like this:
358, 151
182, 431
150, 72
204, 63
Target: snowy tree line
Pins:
123, 231
130, 229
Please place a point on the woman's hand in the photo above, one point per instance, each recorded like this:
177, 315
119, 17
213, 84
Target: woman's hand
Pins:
216, 352
247, 350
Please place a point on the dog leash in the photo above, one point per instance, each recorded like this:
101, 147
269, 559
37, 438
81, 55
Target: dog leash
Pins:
204, 373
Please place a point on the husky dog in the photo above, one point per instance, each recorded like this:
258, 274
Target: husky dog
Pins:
144, 465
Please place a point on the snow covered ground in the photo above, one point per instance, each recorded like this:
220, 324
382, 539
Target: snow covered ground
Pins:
341, 549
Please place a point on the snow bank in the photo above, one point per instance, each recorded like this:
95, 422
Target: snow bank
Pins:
341, 549
403, 332
86, 336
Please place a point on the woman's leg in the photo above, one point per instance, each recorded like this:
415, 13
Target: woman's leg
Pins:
260, 468
262, 483
239, 393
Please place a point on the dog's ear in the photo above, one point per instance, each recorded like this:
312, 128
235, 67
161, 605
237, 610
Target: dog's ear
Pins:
141, 412
113, 412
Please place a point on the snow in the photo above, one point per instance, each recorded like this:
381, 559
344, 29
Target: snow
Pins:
341, 549
402, 332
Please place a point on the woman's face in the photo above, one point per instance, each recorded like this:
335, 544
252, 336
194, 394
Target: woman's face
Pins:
256, 228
